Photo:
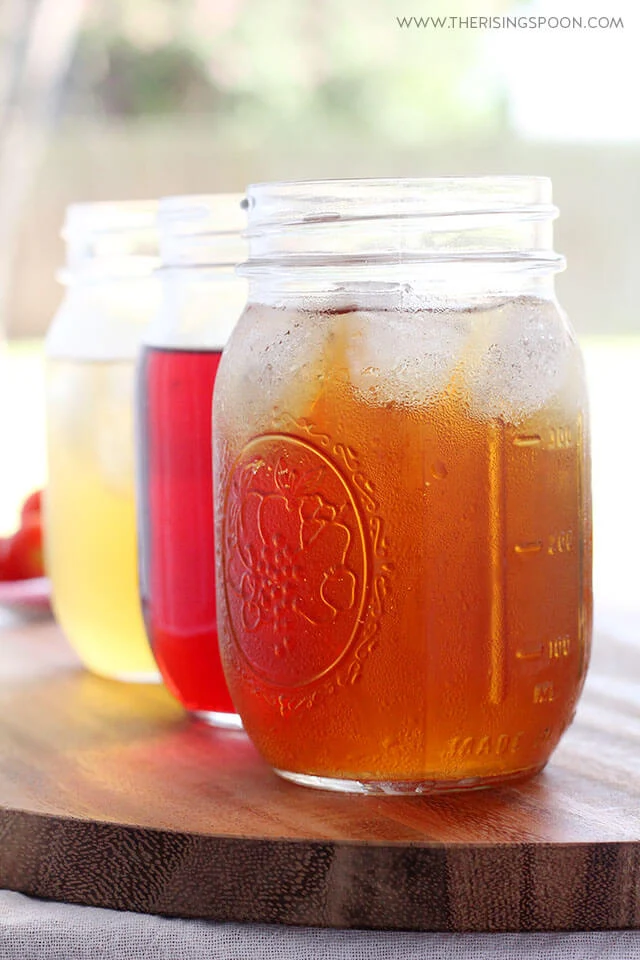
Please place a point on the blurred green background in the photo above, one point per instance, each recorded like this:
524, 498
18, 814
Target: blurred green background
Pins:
126, 99
152, 97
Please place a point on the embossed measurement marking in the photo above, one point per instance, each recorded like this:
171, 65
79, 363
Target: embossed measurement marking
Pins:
561, 542
527, 440
530, 546
559, 647
555, 649
556, 438
484, 744
560, 438
543, 692
534, 654
497, 650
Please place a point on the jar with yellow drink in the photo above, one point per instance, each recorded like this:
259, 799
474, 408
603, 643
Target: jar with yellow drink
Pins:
91, 351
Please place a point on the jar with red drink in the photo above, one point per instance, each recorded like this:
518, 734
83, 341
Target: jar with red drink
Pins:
200, 244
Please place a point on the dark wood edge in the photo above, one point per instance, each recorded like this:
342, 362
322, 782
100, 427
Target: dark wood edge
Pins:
350, 884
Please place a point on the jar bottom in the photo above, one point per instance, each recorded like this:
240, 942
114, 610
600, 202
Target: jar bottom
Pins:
408, 787
217, 718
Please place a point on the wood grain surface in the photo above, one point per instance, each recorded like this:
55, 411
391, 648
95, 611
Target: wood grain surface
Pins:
111, 796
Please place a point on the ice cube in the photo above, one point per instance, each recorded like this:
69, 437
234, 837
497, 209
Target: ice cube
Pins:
516, 359
405, 357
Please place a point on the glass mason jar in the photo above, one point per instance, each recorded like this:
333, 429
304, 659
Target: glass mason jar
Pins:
91, 349
402, 486
200, 245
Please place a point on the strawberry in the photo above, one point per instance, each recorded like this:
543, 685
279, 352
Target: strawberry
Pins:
32, 506
21, 555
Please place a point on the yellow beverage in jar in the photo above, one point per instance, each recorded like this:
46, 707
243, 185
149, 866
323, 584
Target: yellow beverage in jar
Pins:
90, 516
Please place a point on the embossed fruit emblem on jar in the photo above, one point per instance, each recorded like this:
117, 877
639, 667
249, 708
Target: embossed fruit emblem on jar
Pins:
295, 554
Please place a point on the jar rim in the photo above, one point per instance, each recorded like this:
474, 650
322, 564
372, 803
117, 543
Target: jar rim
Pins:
401, 222
409, 181
109, 216
110, 239
308, 201
200, 230
228, 210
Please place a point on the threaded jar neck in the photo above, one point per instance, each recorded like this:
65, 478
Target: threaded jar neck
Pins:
108, 241
430, 219
202, 230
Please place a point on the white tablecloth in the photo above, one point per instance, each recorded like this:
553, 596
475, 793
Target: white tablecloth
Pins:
38, 930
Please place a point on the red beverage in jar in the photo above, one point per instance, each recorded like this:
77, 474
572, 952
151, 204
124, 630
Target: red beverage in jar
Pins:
177, 564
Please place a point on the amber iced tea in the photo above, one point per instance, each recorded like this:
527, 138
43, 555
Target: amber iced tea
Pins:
405, 565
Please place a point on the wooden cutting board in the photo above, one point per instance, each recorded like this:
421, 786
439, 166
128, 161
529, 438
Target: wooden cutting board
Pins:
111, 796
